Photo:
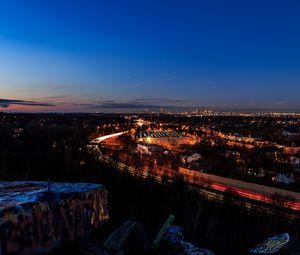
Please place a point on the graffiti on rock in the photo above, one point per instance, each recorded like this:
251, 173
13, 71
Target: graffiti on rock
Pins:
42, 225
272, 244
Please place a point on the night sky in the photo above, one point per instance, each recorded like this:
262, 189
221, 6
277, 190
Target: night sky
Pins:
130, 55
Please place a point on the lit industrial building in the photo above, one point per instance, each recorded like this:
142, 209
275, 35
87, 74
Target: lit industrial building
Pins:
165, 138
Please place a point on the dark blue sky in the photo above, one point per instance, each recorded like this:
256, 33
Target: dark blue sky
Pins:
101, 55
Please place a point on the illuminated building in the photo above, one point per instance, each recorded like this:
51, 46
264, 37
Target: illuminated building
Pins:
165, 138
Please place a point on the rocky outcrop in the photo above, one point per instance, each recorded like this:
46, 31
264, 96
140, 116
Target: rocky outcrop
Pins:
36, 217
173, 243
129, 238
284, 244
80, 247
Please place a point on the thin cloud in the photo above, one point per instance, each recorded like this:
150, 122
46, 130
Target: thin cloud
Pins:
5, 103
119, 105
139, 103
169, 78
161, 100
54, 97
281, 102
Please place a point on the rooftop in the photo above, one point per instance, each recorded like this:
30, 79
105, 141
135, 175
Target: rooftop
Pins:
160, 134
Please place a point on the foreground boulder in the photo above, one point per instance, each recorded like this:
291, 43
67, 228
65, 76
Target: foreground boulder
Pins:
191, 249
281, 244
36, 217
173, 243
80, 247
174, 235
130, 238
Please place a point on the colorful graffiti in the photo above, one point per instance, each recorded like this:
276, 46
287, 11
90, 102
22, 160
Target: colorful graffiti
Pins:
190, 249
174, 235
272, 244
69, 211
162, 231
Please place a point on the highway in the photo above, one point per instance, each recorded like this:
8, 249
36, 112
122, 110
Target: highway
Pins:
105, 137
250, 196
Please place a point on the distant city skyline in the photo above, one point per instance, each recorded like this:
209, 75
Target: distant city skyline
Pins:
106, 56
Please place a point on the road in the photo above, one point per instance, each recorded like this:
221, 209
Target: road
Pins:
250, 196
105, 137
